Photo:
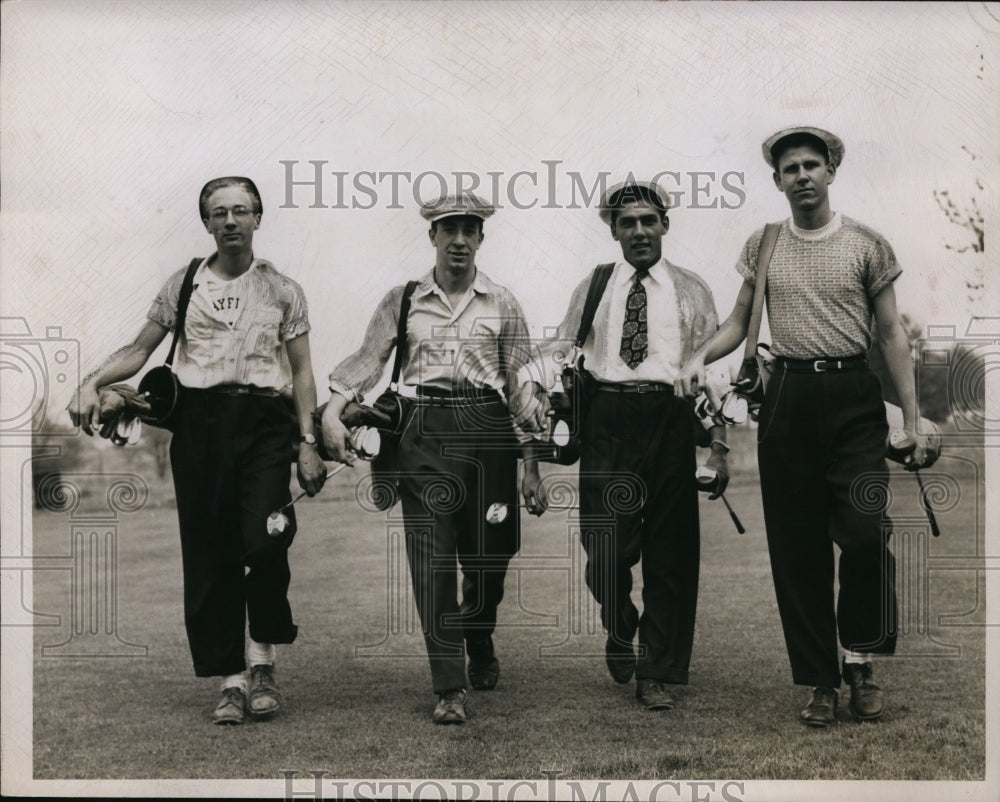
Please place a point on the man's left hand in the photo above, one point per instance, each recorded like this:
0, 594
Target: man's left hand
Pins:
717, 462
311, 470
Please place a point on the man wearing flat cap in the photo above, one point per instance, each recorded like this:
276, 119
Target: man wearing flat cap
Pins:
465, 341
651, 317
823, 425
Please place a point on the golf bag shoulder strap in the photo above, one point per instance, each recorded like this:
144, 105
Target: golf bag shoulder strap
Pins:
598, 282
404, 311
771, 231
187, 287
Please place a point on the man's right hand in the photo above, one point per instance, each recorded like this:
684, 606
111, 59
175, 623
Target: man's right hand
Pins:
336, 436
691, 378
85, 409
531, 408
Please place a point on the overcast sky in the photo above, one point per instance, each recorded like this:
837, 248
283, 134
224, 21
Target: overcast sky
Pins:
116, 113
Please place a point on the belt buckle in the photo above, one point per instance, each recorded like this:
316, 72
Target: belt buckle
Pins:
820, 365
642, 387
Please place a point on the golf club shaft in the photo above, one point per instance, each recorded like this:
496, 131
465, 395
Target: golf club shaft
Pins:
290, 504
931, 518
739, 526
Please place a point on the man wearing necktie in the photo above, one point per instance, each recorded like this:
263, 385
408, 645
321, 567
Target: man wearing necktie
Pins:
638, 497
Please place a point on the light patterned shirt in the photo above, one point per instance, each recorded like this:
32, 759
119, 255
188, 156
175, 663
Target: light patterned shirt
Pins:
446, 346
820, 286
235, 331
680, 317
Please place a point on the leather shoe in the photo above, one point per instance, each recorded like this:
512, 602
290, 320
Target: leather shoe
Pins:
231, 708
822, 708
867, 701
620, 659
450, 708
263, 698
653, 695
484, 668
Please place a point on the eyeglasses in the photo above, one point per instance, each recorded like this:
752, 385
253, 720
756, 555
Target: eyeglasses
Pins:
238, 212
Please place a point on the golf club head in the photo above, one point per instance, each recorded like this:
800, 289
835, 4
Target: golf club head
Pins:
900, 443
126, 431
560, 433
497, 513
560, 447
367, 442
277, 523
734, 409
706, 478
703, 407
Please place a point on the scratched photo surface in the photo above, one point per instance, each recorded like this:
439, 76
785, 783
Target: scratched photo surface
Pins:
348, 115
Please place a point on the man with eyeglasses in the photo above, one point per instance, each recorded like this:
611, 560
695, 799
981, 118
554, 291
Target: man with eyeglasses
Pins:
243, 350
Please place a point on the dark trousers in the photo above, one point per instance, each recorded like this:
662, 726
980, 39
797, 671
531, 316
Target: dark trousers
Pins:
454, 463
638, 499
824, 480
231, 459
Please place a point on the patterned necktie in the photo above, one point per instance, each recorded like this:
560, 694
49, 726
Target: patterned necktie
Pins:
635, 342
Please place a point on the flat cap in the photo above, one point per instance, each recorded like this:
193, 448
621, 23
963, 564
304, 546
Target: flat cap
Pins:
834, 147
632, 191
465, 203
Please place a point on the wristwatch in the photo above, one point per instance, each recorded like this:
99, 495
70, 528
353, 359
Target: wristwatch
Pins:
308, 438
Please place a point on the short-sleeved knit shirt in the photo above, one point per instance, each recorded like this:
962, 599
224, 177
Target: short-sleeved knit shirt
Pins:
248, 347
820, 286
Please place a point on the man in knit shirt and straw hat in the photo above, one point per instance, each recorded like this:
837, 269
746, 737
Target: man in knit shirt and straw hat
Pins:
823, 427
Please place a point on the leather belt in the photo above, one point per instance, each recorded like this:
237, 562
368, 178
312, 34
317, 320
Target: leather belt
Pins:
638, 387
243, 389
822, 365
463, 396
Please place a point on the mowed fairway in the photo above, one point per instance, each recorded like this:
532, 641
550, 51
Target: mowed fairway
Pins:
356, 684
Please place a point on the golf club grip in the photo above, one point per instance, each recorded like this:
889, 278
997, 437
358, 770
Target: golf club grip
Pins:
931, 517
935, 530
739, 526
732, 514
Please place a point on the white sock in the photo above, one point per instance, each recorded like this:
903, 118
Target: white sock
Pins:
235, 681
856, 658
260, 653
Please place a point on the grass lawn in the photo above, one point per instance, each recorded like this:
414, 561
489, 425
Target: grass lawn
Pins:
356, 684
